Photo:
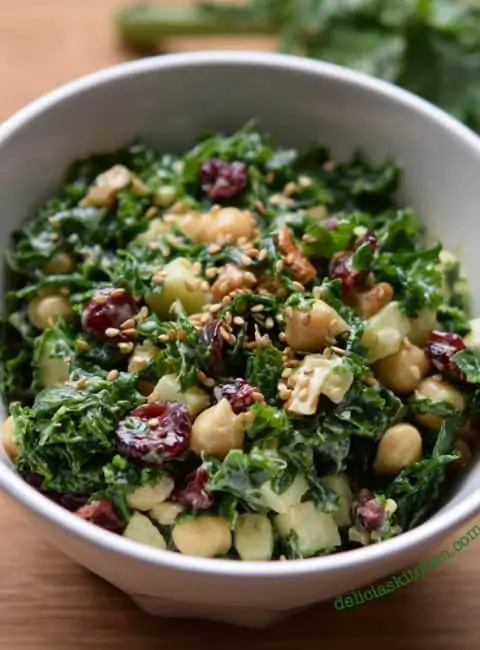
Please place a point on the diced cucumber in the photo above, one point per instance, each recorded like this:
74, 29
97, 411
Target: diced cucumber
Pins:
156, 228
472, 339
316, 531
147, 497
140, 529
421, 326
318, 375
168, 389
253, 538
179, 284
385, 332
166, 513
340, 485
292, 495
53, 368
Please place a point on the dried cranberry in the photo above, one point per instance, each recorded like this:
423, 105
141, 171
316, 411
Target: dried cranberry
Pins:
193, 494
341, 265
440, 349
154, 433
239, 393
108, 310
223, 180
367, 514
212, 336
101, 513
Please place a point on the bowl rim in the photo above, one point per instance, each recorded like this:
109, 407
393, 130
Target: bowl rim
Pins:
433, 529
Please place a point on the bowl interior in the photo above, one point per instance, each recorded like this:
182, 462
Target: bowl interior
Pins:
169, 101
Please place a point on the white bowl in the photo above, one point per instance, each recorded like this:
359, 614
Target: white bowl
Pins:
169, 100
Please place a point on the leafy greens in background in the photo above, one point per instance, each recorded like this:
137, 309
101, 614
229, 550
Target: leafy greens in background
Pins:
430, 47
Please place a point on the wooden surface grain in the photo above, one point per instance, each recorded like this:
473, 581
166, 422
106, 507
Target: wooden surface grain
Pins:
46, 601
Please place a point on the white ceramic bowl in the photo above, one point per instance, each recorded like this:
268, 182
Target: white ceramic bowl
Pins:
169, 100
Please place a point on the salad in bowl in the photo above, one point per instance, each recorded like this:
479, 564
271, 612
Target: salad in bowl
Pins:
242, 352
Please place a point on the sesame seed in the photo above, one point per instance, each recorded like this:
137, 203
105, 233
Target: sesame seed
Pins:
279, 266
54, 236
112, 332
157, 280
153, 246
289, 312
131, 331
232, 339
163, 338
327, 353
262, 255
286, 373
269, 323
289, 189
226, 300
128, 324
298, 286
228, 318
308, 372
213, 249
225, 335
282, 337
197, 267
260, 207
112, 375
257, 309
304, 181
290, 258
118, 292
213, 309
338, 350
245, 260
142, 314
100, 300
238, 320
204, 286
211, 273
81, 383
306, 319
153, 422
125, 348
151, 212
167, 251
172, 335
82, 345
309, 239
201, 376
253, 252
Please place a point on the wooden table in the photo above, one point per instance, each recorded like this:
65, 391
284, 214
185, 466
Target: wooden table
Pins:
46, 601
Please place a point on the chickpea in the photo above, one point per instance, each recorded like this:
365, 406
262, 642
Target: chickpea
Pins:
311, 331
9, 444
437, 389
403, 371
370, 302
400, 447
231, 278
218, 430
44, 310
60, 264
205, 536
219, 223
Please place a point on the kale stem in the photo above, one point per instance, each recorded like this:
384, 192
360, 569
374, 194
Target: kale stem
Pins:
147, 25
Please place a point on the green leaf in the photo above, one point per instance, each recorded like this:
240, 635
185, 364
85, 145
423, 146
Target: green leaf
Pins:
469, 363
241, 475
264, 368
